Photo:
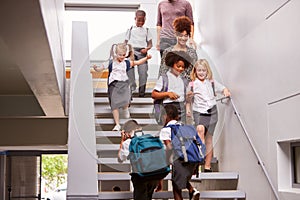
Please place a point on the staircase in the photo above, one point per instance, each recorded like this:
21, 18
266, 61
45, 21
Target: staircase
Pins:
114, 178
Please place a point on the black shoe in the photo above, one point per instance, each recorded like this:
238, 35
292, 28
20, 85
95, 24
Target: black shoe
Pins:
207, 170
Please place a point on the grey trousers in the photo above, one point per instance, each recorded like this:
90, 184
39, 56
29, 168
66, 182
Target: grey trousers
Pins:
143, 74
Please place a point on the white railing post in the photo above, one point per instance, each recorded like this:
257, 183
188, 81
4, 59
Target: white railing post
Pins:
82, 160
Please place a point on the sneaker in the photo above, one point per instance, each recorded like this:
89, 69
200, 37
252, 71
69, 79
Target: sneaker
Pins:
195, 195
126, 113
117, 127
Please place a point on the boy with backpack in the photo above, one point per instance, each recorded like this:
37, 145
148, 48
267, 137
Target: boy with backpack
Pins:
185, 158
147, 158
140, 38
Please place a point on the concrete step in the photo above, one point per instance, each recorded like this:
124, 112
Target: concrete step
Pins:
100, 134
202, 176
114, 161
218, 194
108, 123
139, 100
122, 121
142, 109
102, 92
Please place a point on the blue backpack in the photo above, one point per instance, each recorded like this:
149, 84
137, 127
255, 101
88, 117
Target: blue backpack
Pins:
187, 145
148, 157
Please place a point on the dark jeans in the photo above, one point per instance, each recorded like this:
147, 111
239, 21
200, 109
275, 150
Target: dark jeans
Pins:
166, 43
143, 189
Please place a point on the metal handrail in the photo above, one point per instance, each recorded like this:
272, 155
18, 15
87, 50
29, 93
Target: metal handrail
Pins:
253, 148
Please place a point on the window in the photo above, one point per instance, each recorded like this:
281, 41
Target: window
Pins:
104, 23
295, 153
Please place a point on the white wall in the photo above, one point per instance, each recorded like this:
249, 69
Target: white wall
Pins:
257, 58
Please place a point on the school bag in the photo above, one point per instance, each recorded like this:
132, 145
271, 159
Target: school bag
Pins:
186, 143
158, 103
147, 157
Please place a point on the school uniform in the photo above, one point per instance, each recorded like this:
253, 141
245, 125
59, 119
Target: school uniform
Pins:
205, 105
175, 84
143, 189
138, 37
181, 171
118, 85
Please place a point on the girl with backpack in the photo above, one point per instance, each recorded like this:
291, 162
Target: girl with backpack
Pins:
171, 86
118, 86
201, 102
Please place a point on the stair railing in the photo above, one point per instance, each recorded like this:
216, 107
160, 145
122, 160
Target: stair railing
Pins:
252, 145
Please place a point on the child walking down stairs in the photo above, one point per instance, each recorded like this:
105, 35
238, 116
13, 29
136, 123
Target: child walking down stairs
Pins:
112, 174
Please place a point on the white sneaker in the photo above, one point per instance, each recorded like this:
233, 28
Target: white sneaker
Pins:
117, 127
126, 113
195, 195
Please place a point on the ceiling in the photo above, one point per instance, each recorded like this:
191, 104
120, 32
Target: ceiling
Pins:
28, 80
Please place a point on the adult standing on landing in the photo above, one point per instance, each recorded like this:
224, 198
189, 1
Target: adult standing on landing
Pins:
167, 11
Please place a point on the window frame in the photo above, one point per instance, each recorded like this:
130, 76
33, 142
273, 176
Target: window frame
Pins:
294, 145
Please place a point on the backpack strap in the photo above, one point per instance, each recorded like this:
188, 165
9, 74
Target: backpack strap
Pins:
109, 70
129, 34
147, 34
192, 86
185, 84
165, 83
127, 65
213, 86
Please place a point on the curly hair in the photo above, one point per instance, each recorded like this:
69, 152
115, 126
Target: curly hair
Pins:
181, 24
173, 57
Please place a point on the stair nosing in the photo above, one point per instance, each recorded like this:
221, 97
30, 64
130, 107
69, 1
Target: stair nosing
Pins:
216, 194
202, 176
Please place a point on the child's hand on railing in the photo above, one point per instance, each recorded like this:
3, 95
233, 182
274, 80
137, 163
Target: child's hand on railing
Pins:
226, 92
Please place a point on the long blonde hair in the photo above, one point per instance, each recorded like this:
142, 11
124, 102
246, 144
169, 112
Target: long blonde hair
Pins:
204, 63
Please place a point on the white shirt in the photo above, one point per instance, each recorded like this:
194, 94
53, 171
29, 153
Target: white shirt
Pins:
165, 133
138, 36
124, 150
175, 84
118, 72
204, 98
